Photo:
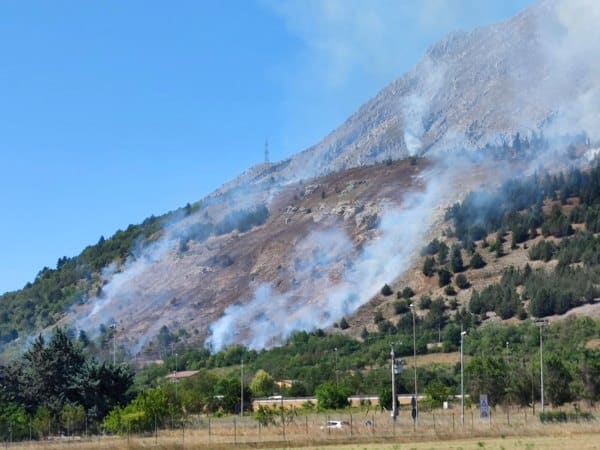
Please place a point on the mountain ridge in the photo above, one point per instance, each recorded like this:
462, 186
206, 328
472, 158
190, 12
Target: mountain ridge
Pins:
489, 89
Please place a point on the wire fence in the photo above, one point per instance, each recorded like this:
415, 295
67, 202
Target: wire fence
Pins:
312, 428
368, 425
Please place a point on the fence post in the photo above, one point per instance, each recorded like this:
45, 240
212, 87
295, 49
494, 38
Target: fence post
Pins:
453, 423
234, 431
155, 431
525, 412
306, 424
209, 431
508, 415
433, 416
471, 421
283, 422
351, 424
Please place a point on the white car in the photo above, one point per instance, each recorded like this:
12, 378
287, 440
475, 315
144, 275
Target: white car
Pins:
335, 425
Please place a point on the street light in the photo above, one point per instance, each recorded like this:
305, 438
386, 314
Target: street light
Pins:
541, 323
242, 390
336, 369
176, 378
114, 328
462, 379
394, 412
416, 402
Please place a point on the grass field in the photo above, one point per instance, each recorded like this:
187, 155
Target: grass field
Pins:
509, 429
579, 441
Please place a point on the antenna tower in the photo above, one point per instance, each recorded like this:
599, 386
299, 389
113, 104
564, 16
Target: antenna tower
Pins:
266, 151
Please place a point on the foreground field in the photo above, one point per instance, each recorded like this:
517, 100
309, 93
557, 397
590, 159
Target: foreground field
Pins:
581, 441
509, 429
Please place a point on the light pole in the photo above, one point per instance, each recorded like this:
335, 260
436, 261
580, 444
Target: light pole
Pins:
462, 379
176, 378
114, 327
394, 412
416, 402
336, 369
242, 390
541, 323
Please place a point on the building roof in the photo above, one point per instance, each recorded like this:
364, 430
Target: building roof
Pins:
181, 374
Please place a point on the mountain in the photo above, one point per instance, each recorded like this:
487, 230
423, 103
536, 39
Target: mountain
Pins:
535, 73
301, 243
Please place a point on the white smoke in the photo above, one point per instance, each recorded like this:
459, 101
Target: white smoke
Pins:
416, 106
571, 44
270, 316
122, 288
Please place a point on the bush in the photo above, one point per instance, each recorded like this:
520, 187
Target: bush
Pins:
429, 266
331, 396
563, 417
378, 317
456, 262
344, 324
449, 290
444, 277
425, 302
407, 293
386, 290
462, 282
401, 307
477, 261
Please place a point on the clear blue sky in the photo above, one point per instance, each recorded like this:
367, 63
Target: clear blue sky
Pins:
114, 110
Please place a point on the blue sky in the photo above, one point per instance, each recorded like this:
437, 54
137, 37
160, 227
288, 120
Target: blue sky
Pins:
112, 111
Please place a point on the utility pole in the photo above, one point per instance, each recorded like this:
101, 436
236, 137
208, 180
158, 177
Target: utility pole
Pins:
114, 327
415, 412
462, 379
337, 381
394, 410
541, 323
242, 390
176, 378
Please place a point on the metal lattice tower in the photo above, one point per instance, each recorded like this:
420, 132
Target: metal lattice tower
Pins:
266, 151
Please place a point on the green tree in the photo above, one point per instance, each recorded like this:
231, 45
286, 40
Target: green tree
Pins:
330, 396
444, 277
51, 372
487, 375
386, 290
436, 394
477, 261
13, 422
456, 261
146, 411
262, 384
344, 324
462, 282
72, 418
429, 266
42, 422
442, 253
559, 379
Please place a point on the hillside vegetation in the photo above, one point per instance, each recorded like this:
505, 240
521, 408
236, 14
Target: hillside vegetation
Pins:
502, 357
75, 280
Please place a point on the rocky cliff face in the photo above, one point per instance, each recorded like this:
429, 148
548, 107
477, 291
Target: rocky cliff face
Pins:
535, 73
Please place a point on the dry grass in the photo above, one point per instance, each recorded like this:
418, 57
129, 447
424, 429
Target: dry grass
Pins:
440, 429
